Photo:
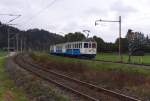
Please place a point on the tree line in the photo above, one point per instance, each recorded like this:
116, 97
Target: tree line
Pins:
39, 39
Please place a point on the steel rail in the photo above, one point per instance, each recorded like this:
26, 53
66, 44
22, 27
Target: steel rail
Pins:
52, 81
122, 97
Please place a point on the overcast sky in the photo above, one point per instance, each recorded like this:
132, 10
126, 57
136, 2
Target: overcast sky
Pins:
77, 15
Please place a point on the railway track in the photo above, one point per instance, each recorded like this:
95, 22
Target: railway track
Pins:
80, 88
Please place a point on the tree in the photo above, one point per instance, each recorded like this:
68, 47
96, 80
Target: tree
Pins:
137, 42
124, 44
77, 36
100, 43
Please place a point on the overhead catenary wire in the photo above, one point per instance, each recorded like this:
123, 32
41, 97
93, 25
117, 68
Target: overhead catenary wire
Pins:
39, 12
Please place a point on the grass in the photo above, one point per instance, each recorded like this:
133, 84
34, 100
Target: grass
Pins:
3, 53
95, 64
8, 90
127, 78
114, 57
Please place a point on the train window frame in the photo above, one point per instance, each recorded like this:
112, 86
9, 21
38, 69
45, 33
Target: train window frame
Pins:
86, 45
90, 45
73, 45
94, 45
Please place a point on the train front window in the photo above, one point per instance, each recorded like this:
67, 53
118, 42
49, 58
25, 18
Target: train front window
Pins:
85, 45
93, 45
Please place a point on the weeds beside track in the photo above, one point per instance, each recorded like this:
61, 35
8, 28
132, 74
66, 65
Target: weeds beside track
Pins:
86, 90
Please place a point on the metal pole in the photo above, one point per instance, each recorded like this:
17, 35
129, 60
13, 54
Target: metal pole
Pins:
119, 32
120, 38
8, 48
17, 42
24, 44
21, 45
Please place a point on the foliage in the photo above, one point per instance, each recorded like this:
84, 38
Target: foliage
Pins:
77, 36
92, 64
124, 44
34, 39
132, 79
136, 41
39, 39
100, 43
8, 91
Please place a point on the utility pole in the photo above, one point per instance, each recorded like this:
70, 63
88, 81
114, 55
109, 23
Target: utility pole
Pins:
9, 37
21, 44
17, 42
8, 30
8, 48
119, 21
120, 37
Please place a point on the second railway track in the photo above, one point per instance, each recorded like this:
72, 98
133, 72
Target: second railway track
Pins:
80, 88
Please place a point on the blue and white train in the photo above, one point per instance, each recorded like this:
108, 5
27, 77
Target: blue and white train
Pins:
87, 49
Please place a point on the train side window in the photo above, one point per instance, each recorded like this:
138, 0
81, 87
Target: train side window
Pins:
93, 45
85, 45
90, 45
80, 45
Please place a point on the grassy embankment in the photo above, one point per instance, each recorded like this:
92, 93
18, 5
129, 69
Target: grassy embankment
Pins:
8, 90
130, 78
115, 57
3, 53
